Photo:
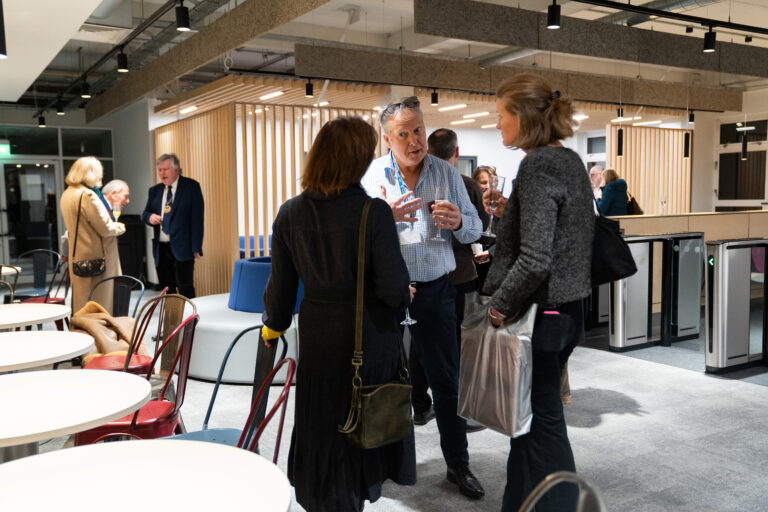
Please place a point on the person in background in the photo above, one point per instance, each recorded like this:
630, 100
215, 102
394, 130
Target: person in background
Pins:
543, 256
118, 195
175, 210
409, 179
596, 177
443, 143
482, 174
614, 195
96, 235
329, 473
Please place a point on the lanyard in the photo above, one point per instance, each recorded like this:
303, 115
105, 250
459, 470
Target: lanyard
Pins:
403, 188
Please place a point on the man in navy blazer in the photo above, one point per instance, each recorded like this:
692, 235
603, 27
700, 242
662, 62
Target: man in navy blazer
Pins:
175, 212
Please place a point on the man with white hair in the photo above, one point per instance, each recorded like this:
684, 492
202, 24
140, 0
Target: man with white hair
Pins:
596, 177
428, 198
117, 193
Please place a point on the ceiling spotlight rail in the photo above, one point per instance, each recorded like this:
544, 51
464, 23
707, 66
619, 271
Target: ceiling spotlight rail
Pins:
118, 48
705, 22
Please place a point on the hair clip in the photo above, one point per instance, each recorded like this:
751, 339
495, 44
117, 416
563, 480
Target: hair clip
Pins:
555, 95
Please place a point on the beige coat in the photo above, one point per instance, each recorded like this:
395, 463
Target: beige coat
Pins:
96, 238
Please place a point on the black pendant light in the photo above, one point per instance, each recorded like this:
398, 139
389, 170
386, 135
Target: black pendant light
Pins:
690, 118
620, 112
41, 121
309, 90
434, 98
709, 41
182, 18
687, 145
744, 145
85, 91
3, 48
59, 109
620, 142
122, 62
553, 16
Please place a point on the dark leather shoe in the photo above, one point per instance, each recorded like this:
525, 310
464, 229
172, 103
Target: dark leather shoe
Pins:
468, 484
422, 418
473, 426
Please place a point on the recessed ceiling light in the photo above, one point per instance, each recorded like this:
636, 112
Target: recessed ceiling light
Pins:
187, 110
488, 126
271, 95
463, 121
647, 123
453, 107
321, 104
477, 114
580, 116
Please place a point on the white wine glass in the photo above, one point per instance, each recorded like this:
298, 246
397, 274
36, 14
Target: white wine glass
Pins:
116, 210
408, 320
495, 186
441, 196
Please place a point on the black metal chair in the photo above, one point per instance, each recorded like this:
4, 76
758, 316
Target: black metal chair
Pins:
43, 262
121, 294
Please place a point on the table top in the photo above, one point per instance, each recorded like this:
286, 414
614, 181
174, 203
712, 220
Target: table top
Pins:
29, 349
20, 315
8, 270
50, 403
190, 475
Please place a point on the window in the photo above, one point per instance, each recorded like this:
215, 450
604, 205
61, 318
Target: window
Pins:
78, 143
729, 134
31, 140
596, 145
740, 179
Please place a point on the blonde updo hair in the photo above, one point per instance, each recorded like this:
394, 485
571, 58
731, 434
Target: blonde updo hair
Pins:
545, 115
86, 170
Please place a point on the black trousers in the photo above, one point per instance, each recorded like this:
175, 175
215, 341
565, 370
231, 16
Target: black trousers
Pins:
434, 340
546, 448
178, 276
419, 397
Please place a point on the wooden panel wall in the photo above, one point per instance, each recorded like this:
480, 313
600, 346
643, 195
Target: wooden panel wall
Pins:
272, 143
653, 166
205, 145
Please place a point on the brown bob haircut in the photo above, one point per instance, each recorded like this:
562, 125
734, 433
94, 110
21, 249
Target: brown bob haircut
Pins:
545, 115
340, 155
610, 175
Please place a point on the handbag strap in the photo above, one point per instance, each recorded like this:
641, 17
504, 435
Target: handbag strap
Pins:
357, 354
77, 225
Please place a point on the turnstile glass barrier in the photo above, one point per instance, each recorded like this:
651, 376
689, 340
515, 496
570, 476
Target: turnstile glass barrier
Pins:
736, 330
631, 319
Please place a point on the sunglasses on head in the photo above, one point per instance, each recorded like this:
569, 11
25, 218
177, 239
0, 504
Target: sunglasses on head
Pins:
411, 102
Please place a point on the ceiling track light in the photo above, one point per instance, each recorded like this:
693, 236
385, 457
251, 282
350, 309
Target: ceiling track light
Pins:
122, 62
688, 29
41, 121
309, 90
747, 39
709, 41
3, 48
553, 16
435, 99
85, 91
182, 18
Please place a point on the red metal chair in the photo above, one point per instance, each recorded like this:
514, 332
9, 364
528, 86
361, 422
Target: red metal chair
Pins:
132, 362
157, 418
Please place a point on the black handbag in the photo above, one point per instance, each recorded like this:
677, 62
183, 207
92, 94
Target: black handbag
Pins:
611, 258
380, 414
86, 268
633, 208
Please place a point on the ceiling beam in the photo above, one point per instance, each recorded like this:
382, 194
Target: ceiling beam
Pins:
479, 21
245, 22
362, 64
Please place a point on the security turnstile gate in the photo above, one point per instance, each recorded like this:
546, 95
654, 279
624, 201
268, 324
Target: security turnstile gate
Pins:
736, 305
631, 304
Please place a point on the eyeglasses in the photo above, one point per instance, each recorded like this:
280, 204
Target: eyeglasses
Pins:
409, 103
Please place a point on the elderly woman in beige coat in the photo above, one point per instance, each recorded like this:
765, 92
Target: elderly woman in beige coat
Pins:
97, 234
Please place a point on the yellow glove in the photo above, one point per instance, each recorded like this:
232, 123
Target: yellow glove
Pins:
268, 334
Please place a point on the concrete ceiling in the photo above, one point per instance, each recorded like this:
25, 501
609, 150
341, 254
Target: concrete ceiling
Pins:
35, 31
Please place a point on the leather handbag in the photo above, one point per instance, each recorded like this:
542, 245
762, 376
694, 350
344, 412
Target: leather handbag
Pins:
85, 268
611, 258
633, 208
378, 414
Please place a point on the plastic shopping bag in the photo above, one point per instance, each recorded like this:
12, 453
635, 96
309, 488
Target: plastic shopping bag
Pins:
495, 371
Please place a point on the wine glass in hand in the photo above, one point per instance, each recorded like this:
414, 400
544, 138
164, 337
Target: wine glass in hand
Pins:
116, 210
495, 186
441, 196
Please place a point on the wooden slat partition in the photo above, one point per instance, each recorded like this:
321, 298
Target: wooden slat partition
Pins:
653, 165
205, 145
277, 137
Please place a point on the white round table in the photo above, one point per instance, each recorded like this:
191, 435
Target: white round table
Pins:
189, 475
51, 403
21, 315
29, 349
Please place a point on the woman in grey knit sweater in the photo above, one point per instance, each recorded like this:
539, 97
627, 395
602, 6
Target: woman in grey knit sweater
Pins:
543, 256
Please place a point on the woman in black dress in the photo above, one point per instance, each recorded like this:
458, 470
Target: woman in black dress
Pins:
314, 239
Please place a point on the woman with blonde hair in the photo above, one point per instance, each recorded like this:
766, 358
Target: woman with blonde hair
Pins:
543, 256
315, 239
94, 237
